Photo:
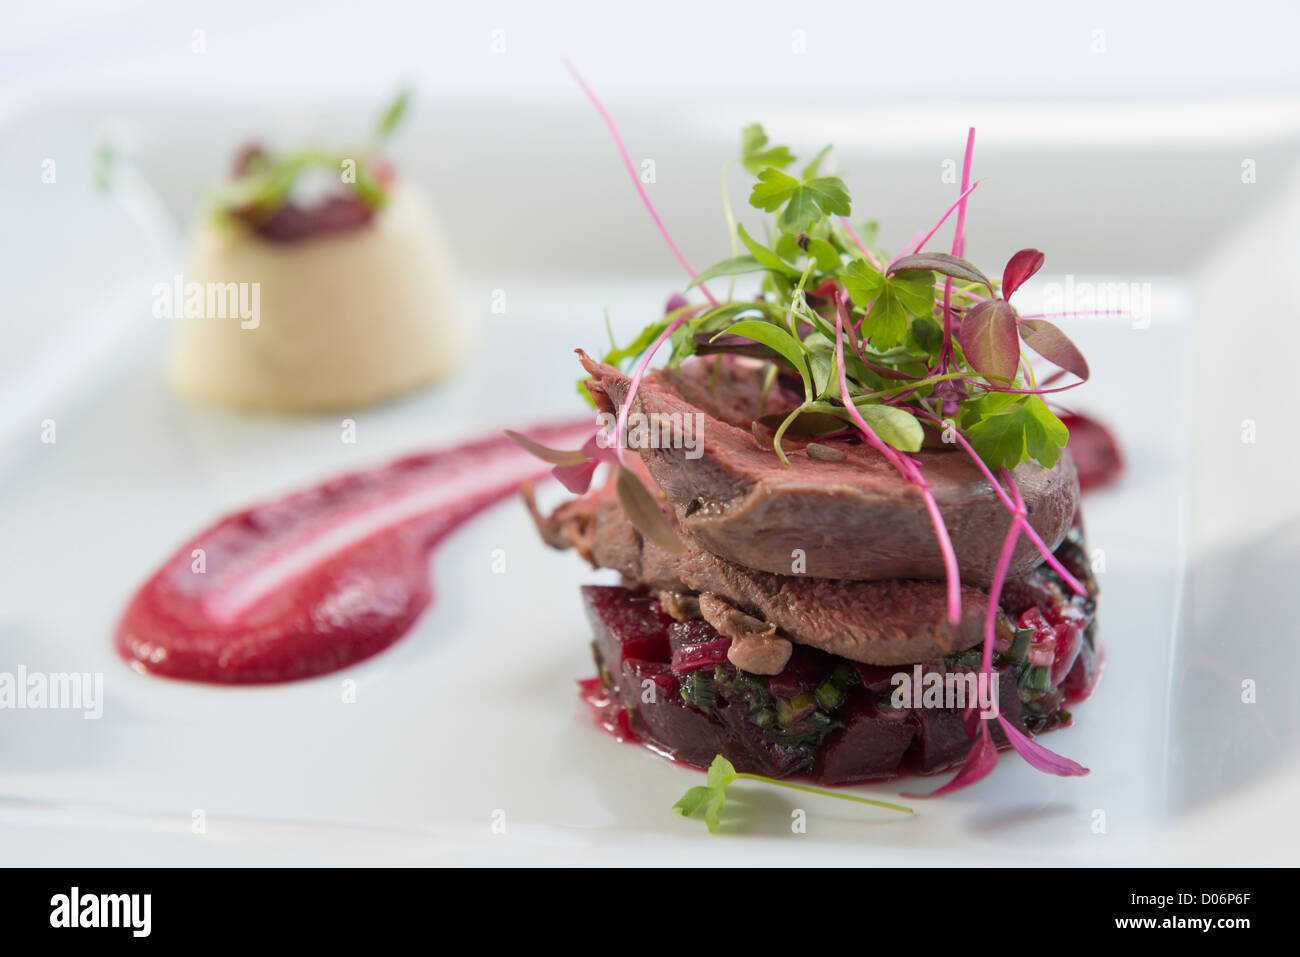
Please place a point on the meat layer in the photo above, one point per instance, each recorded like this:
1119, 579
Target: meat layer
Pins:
874, 622
852, 518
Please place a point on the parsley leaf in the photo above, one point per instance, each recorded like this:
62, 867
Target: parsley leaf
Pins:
756, 155
1011, 428
805, 201
893, 300
712, 796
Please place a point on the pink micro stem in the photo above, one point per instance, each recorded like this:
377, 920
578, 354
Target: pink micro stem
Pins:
1029, 531
905, 466
958, 248
1000, 573
945, 354
1038, 756
916, 247
636, 180
959, 232
635, 383
866, 253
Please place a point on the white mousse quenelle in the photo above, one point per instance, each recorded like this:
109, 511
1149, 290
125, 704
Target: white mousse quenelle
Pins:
352, 294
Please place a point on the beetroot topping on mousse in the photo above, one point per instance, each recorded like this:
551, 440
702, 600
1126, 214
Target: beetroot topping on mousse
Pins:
289, 197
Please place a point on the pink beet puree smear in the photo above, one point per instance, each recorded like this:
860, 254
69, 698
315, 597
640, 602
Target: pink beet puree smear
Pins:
324, 577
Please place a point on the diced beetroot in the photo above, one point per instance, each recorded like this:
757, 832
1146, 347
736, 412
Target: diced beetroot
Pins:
807, 669
1035, 619
706, 655
877, 678
1033, 591
1066, 613
626, 623
869, 746
744, 744
638, 671
1069, 639
860, 741
943, 738
1082, 678
695, 644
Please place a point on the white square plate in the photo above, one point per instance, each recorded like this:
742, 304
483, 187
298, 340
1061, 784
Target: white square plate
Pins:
475, 711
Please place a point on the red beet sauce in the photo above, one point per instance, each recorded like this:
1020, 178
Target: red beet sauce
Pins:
1096, 453
324, 577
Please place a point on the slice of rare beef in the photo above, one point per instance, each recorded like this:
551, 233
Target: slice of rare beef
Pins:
877, 622
852, 518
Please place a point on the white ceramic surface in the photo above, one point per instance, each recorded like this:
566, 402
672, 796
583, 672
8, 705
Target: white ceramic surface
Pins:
475, 712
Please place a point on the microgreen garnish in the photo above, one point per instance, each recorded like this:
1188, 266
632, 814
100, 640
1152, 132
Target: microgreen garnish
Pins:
952, 354
712, 796
392, 116
105, 165
757, 156
265, 180
803, 202
545, 452
874, 348
643, 511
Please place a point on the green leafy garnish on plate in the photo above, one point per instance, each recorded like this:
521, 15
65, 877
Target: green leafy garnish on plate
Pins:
711, 797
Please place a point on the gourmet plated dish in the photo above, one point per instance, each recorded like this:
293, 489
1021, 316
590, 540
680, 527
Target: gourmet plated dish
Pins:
318, 281
844, 513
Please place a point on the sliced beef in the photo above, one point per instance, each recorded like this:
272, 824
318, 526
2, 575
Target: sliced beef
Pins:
852, 518
877, 622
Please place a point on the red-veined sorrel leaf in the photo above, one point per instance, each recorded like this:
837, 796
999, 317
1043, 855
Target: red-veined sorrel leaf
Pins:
1019, 268
643, 512
988, 337
1053, 344
576, 478
545, 453
1039, 756
601, 447
941, 263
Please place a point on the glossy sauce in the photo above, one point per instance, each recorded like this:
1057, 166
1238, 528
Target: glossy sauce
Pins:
322, 578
